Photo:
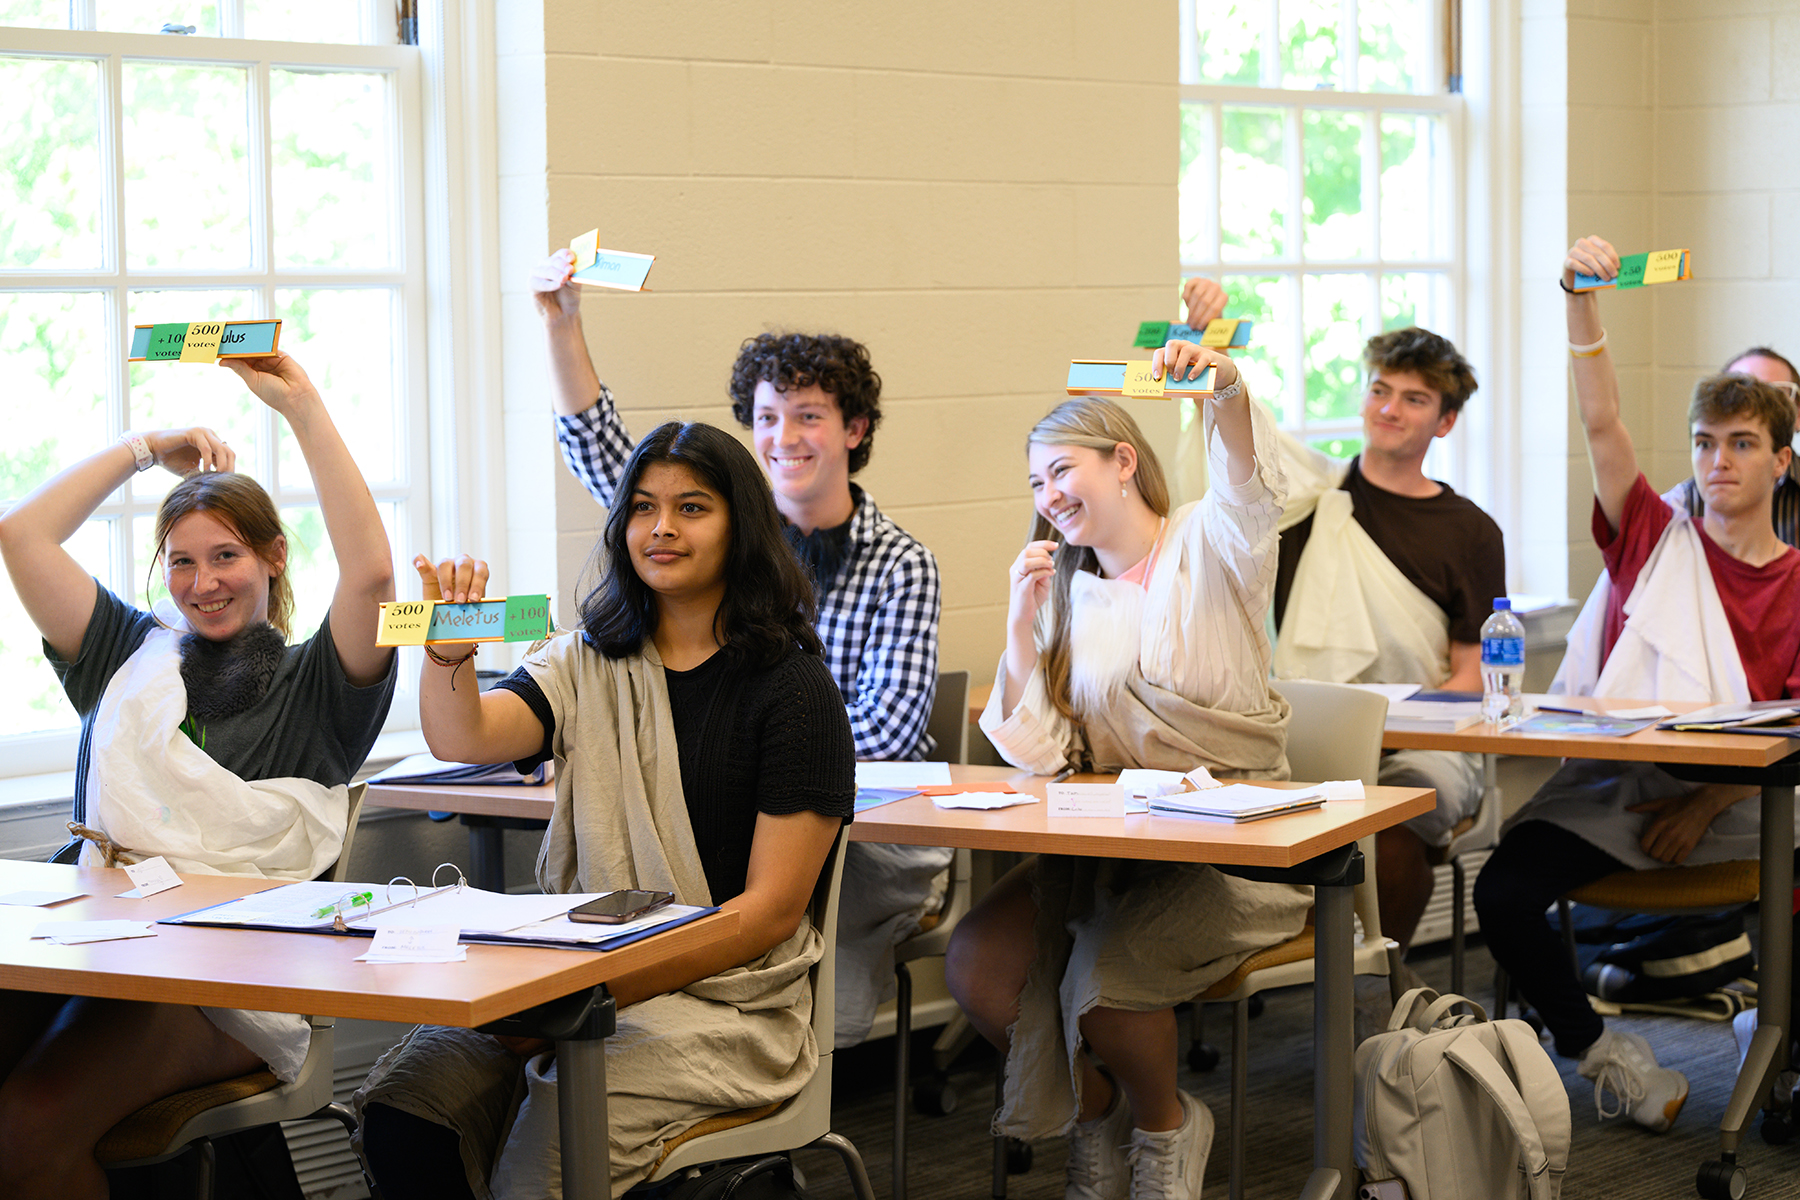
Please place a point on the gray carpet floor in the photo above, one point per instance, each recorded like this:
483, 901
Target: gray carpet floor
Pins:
951, 1156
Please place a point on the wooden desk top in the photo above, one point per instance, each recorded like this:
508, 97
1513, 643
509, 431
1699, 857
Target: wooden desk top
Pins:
290, 972
531, 801
1646, 745
1275, 842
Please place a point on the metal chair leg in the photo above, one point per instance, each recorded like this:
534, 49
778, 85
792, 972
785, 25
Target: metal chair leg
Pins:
999, 1191
208, 1168
1240, 1092
853, 1163
902, 1072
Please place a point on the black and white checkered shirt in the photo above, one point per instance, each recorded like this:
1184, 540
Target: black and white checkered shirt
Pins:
1785, 505
878, 618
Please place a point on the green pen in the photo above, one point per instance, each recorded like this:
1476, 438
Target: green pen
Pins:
359, 900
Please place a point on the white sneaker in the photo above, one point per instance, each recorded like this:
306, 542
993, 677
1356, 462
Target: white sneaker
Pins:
1171, 1165
1623, 1064
1097, 1169
1787, 1080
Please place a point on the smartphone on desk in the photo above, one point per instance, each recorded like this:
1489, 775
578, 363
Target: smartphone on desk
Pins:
616, 908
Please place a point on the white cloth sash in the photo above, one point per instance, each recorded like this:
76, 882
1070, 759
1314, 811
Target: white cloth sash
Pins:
1352, 617
1676, 644
152, 791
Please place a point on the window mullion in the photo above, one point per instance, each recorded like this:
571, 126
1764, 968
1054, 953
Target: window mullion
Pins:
1349, 47
262, 227
231, 19
81, 14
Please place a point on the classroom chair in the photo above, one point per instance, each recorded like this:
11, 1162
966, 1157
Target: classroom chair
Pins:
948, 726
1334, 733
804, 1120
166, 1128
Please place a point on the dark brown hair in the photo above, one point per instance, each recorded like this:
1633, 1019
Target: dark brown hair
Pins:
1719, 396
1434, 359
838, 365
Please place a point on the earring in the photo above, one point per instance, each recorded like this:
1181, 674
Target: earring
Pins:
1122, 494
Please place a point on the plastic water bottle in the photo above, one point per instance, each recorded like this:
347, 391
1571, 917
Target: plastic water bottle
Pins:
1502, 664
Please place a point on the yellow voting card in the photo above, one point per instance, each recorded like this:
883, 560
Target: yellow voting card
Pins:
1140, 382
202, 342
586, 248
404, 622
1219, 333
1663, 266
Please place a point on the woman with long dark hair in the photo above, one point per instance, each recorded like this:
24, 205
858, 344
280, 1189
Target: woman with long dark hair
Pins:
205, 738
701, 748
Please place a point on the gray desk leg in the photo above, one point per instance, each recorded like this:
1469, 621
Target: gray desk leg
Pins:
487, 855
581, 1114
1333, 1049
1769, 1050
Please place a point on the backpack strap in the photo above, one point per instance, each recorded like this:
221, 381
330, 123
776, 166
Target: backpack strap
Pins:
1403, 1007
1444, 1005
1475, 1060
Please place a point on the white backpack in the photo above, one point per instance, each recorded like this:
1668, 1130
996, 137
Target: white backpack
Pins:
1460, 1107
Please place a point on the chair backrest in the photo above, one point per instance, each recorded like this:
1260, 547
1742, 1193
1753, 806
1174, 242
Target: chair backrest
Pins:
948, 723
824, 913
1335, 732
340, 870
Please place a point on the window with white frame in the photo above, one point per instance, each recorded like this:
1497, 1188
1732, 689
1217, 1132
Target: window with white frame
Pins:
1319, 177
265, 164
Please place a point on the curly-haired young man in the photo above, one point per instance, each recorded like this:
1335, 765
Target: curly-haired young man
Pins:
812, 404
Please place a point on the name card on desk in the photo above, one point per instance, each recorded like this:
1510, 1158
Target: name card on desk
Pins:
1085, 799
151, 876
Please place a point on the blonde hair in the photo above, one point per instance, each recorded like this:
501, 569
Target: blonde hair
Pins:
240, 504
1101, 426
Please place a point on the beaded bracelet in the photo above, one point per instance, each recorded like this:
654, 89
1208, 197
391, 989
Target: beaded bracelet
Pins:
452, 663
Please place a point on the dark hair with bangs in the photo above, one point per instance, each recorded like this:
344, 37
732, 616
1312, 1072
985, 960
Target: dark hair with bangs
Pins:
768, 605
838, 365
1432, 357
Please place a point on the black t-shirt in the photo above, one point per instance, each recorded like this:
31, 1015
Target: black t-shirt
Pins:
749, 740
313, 723
1444, 544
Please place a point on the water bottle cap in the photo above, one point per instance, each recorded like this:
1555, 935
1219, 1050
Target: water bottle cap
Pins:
1502, 603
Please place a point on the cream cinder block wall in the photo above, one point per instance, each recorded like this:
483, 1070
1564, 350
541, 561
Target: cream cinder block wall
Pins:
977, 192
1679, 132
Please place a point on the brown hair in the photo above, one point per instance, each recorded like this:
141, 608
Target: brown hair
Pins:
1434, 359
1719, 396
241, 505
1099, 425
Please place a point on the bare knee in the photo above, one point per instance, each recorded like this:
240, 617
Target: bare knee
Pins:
990, 953
37, 1130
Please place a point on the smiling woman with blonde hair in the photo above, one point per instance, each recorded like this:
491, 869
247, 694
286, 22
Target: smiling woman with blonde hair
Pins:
1134, 639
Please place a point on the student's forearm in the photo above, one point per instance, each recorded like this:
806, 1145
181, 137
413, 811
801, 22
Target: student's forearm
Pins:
1236, 433
759, 931
462, 723
1021, 660
1610, 451
56, 591
574, 384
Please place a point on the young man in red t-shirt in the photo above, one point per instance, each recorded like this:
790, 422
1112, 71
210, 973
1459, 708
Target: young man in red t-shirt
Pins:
1740, 429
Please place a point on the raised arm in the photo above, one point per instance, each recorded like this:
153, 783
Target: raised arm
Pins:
1610, 452
1205, 301
461, 722
365, 561
589, 431
57, 592
1231, 416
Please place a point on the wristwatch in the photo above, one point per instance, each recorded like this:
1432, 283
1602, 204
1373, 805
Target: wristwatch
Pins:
140, 450
1230, 393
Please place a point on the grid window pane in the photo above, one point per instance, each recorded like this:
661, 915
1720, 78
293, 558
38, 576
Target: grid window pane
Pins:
187, 166
51, 145
1253, 184
135, 16
1198, 192
35, 14
1416, 298
331, 166
32, 700
1267, 300
1395, 54
1230, 40
178, 395
345, 339
1335, 310
312, 568
1336, 226
1309, 43
1413, 222
55, 411
304, 20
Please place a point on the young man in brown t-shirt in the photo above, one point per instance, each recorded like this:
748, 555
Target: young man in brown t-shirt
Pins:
1446, 547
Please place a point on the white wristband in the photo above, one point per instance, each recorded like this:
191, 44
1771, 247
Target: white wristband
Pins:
140, 450
1590, 350
1230, 393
